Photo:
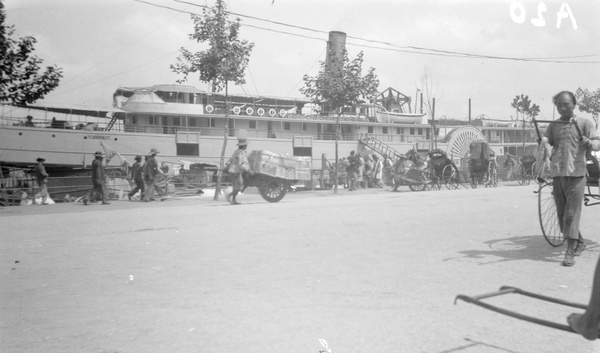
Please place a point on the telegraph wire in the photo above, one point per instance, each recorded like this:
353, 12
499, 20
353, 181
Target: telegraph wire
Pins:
398, 48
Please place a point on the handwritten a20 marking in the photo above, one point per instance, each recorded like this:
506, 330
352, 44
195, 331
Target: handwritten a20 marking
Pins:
519, 14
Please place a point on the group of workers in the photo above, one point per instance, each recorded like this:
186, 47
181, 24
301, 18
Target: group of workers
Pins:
143, 175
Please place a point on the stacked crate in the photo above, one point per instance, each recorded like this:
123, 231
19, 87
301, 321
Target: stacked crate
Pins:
278, 166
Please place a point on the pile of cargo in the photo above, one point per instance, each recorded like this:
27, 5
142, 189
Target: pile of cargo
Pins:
279, 166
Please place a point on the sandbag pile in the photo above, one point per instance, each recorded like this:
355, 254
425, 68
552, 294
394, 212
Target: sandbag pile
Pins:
278, 166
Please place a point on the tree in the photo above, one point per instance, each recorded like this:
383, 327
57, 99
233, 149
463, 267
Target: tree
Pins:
525, 111
21, 81
225, 59
338, 85
589, 102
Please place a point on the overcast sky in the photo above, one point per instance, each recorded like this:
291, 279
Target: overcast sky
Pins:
104, 44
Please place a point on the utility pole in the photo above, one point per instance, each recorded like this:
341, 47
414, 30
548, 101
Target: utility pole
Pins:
433, 140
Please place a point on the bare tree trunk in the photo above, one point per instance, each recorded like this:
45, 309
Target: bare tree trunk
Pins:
222, 161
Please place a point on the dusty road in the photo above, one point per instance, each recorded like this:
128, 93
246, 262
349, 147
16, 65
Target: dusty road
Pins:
368, 271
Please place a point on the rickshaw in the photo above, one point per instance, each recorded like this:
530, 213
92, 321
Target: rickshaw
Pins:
525, 168
553, 235
443, 170
482, 165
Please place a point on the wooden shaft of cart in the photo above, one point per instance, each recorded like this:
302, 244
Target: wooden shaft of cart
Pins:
506, 290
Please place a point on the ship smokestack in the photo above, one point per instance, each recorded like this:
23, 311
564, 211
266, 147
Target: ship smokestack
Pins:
335, 48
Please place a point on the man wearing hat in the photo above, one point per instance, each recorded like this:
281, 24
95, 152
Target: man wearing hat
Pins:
42, 179
137, 177
150, 171
99, 188
236, 166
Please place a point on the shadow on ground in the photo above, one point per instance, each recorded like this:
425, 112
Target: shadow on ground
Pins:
529, 247
475, 346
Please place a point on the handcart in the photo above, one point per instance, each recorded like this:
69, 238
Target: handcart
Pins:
273, 174
409, 170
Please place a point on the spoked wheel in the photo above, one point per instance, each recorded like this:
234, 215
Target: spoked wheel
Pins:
474, 180
273, 191
540, 170
492, 175
436, 180
547, 216
527, 175
521, 174
416, 174
450, 177
535, 172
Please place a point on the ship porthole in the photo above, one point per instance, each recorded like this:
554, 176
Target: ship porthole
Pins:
53, 135
116, 139
20, 134
85, 137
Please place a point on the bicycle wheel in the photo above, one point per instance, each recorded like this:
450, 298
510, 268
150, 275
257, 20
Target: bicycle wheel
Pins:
547, 216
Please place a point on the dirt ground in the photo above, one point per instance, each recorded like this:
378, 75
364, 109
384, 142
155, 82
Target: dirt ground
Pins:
366, 271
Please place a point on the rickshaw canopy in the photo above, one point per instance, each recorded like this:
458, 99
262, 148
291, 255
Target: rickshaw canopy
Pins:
480, 150
436, 153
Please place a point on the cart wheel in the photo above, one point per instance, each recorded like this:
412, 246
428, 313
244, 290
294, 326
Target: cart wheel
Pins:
436, 182
419, 186
450, 177
417, 174
273, 191
547, 216
474, 180
495, 177
521, 174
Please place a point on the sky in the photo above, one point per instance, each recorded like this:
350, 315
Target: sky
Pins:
473, 50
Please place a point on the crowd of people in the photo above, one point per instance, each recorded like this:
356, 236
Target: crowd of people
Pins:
144, 176
364, 171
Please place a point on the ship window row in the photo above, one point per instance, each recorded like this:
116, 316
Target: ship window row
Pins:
208, 126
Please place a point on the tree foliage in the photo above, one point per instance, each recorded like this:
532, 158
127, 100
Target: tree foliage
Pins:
226, 57
589, 102
21, 79
341, 84
527, 111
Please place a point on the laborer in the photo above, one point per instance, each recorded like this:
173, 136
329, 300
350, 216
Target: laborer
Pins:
98, 182
137, 177
236, 166
41, 177
568, 168
150, 172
